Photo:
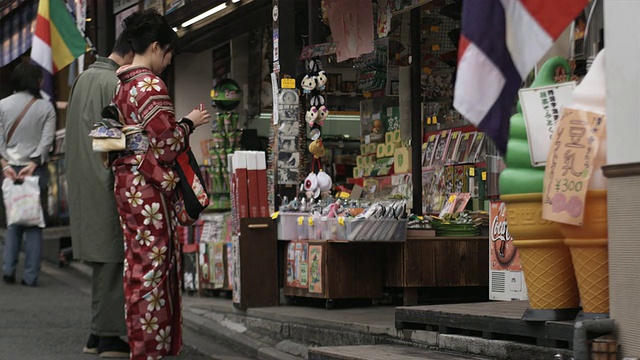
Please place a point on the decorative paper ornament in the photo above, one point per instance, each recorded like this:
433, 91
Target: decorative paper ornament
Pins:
315, 134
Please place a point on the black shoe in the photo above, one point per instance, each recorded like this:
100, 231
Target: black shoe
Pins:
113, 347
92, 345
9, 279
26, 284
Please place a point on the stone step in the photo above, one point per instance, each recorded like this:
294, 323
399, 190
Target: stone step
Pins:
380, 352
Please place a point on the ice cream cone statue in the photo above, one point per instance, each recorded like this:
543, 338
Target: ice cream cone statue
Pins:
585, 197
546, 260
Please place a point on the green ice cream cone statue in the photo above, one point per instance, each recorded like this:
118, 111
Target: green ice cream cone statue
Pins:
546, 260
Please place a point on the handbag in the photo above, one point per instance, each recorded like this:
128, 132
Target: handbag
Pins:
191, 196
107, 134
22, 202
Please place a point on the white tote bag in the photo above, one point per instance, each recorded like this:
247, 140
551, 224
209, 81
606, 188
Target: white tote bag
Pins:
22, 202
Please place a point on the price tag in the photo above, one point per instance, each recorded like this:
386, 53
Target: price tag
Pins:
275, 215
341, 220
472, 171
484, 176
429, 120
427, 70
435, 28
435, 119
435, 47
300, 220
452, 198
310, 220
288, 83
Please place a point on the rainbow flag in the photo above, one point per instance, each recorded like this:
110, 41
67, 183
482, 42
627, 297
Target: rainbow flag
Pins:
57, 40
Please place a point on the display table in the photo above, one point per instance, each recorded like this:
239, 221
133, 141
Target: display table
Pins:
425, 260
333, 270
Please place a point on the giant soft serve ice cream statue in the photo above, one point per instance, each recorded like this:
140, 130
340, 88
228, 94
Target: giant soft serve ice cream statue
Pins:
588, 242
546, 260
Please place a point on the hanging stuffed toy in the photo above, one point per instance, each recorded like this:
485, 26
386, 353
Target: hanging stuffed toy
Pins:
308, 83
324, 182
323, 112
311, 185
311, 116
316, 148
321, 80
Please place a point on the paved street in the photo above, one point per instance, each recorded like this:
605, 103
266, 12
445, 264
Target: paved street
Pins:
51, 321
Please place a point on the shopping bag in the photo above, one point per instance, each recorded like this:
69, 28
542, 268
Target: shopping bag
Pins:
22, 202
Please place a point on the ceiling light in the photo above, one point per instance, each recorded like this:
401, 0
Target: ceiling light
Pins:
175, 29
235, 1
204, 15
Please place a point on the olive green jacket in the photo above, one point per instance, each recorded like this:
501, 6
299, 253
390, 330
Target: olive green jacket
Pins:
96, 234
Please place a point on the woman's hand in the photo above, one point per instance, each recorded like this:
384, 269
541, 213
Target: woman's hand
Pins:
27, 170
199, 117
9, 173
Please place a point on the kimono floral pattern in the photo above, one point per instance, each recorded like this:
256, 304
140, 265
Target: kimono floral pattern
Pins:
144, 187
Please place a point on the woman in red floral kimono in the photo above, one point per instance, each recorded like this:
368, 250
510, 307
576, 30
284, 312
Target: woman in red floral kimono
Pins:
145, 183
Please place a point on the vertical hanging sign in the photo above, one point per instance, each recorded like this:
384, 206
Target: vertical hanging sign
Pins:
570, 165
275, 15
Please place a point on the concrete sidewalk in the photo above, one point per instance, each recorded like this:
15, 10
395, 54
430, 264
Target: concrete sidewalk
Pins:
295, 332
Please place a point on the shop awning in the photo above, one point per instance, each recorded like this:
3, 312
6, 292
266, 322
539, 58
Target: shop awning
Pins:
16, 28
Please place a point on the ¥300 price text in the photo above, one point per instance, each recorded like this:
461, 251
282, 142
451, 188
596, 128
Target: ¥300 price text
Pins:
564, 185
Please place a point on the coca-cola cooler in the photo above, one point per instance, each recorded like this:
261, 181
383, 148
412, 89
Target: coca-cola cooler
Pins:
506, 280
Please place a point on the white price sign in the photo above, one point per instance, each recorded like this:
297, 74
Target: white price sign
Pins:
542, 108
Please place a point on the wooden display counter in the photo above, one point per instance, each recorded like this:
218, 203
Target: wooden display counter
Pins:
333, 270
425, 260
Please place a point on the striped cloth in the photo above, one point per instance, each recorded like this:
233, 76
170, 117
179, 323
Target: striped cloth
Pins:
500, 42
57, 41
17, 21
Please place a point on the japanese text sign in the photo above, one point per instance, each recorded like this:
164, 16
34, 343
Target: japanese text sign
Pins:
541, 109
570, 165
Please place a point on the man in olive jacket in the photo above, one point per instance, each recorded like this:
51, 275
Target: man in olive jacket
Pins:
96, 234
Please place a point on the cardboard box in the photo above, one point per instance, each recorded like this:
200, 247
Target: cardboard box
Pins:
356, 172
381, 151
361, 160
373, 148
364, 149
263, 191
449, 177
402, 160
395, 136
383, 167
241, 180
252, 178
460, 179
371, 159
391, 148
388, 137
